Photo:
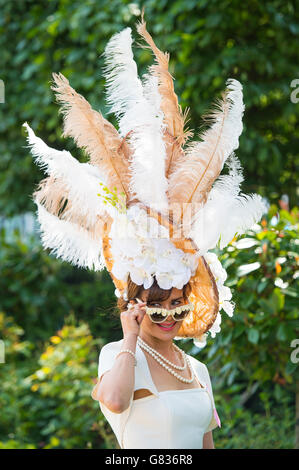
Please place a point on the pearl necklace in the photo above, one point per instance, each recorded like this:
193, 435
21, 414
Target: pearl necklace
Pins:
164, 358
156, 355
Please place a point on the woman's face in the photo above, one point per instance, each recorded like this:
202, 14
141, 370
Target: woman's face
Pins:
169, 328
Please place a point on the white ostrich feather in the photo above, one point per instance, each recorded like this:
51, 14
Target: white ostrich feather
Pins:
81, 179
203, 161
137, 107
69, 241
210, 224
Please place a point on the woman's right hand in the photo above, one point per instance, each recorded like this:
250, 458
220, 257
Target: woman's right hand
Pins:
132, 318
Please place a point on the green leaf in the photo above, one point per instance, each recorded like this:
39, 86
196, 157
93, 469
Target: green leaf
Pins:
277, 299
253, 335
261, 286
291, 367
267, 306
291, 292
248, 299
284, 332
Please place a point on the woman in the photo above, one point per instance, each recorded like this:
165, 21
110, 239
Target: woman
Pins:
154, 240
147, 406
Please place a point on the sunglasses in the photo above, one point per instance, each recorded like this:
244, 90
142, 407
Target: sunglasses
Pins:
159, 315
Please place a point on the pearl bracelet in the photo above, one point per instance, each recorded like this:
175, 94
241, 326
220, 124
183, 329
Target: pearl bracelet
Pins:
130, 352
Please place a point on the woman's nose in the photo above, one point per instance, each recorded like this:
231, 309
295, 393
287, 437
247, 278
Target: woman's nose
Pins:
169, 319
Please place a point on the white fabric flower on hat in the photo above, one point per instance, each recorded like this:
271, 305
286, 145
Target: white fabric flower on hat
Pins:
224, 292
216, 267
139, 276
144, 254
225, 295
117, 293
200, 342
216, 326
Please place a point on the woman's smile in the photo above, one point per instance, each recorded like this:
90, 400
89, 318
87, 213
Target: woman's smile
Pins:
167, 326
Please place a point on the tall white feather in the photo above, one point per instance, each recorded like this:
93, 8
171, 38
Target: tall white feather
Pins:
69, 241
203, 161
81, 179
137, 107
225, 203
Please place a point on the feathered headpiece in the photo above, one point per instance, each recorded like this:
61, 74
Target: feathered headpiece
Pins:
163, 203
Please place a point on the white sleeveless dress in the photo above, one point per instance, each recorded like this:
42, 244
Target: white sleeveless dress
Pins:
171, 419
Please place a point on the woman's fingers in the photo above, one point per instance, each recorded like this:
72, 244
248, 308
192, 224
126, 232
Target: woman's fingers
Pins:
140, 317
138, 307
132, 317
139, 310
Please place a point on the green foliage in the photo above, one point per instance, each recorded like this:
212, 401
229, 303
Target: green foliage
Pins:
46, 401
39, 290
244, 430
250, 358
50, 312
63, 380
209, 41
19, 359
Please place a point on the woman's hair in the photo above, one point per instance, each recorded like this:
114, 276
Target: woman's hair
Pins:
155, 293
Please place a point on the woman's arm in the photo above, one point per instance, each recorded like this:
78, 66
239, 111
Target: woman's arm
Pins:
208, 442
115, 387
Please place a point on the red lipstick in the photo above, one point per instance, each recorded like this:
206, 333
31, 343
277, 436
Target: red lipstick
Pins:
166, 327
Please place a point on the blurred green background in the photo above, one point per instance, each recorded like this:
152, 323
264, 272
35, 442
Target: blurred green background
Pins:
54, 318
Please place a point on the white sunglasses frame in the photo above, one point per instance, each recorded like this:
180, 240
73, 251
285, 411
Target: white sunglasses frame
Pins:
166, 312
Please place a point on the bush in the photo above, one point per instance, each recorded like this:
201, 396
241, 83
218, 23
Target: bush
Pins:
39, 290
249, 360
51, 406
207, 42
243, 429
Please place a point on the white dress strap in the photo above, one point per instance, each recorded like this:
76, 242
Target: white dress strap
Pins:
143, 377
203, 374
